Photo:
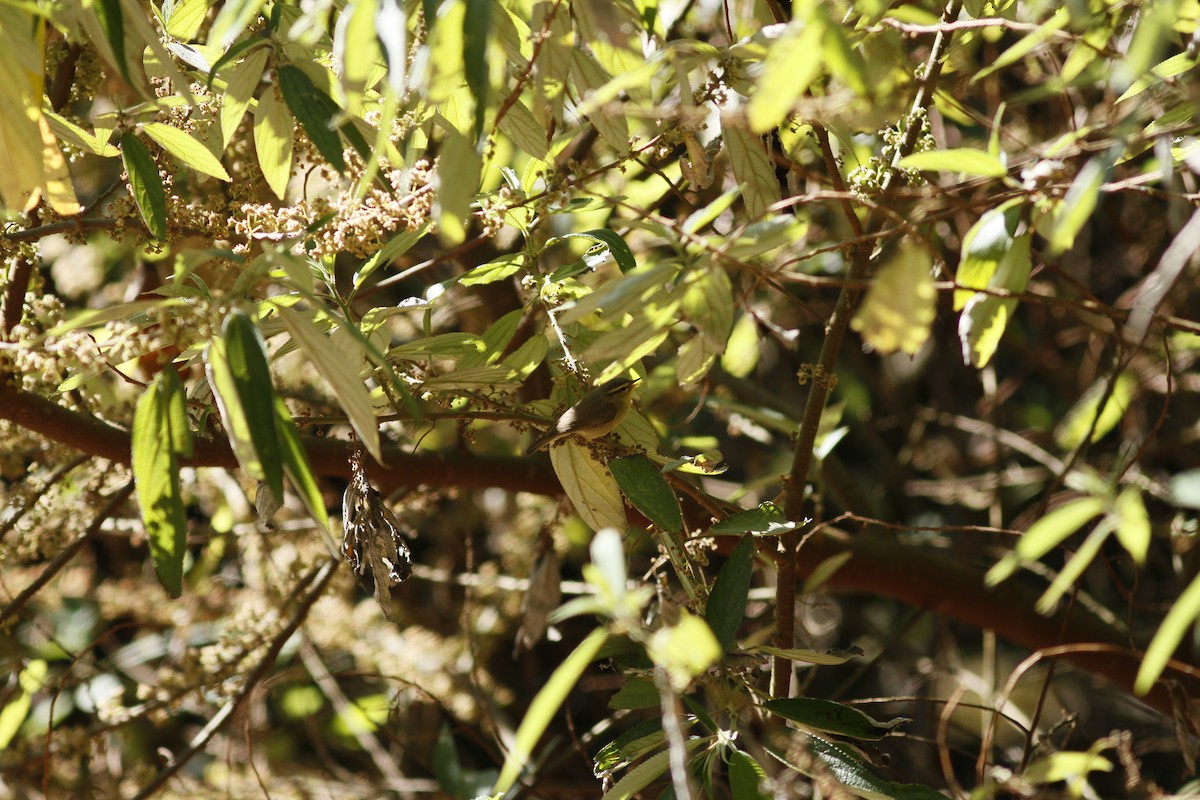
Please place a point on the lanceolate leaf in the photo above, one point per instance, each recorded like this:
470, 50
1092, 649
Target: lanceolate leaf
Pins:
830, 717
315, 110
648, 490
241, 378
296, 465
160, 436
544, 707
727, 600
273, 141
112, 21
341, 375
146, 184
476, 24
188, 150
589, 485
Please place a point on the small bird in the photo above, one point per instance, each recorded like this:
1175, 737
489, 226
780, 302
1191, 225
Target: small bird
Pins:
598, 412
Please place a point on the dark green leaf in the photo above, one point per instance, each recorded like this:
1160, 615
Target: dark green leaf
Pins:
232, 54
146, 185
766, 519
315, 110
648, 490
112, 22
476, 23
830, 717
636, 693
630, 745
727, 600
615, 244
850, 771
746, 777
296, 466
252, 381
161, 434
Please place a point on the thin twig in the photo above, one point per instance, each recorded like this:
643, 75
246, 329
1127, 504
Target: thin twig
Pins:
318, 578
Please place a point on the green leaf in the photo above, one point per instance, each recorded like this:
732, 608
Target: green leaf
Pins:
1076, 208
160, 435
984, 247
830, 717
767, 519
240, 91
900, 306
646, 773
611, 124
848, 768
296, 465
185, 19
341, 374
315, 110
1086, 415
359, 49
1132, 523
476, 25
747, 778
1046, 534
273, 140
751, 167
30, 680
633, 743
526, 132
684, 650
635, 693
612, 240
146, 185
1175, 626
793, 60
985, 317
187, 149
1065, 766
112, 22
961, 160
727, 601
544, 706
648, 491
395, 247
241, 380
589, 485
1073, 570
742, 350
459, 168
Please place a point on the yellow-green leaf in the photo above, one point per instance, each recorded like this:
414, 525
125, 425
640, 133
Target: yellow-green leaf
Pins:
341, 374
900, 306
146, 184
273, 140
160, 435
1086, 415
188, 150
684, 650
961, 160
792, 61
1176, 625
589, 485
240, 91
751, 166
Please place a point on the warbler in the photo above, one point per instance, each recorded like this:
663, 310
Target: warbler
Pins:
598, 412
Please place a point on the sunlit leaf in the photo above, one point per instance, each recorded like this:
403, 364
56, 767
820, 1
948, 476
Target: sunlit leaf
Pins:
296, 465
1064, 766
160, 436
793, 60
187, 149
1086, 419
962, 160
544, 706
751, 167
240, 91
144, 180
341, 375
1177, 624
589, 485
684, 650
900, 305
273, 141
1046, 534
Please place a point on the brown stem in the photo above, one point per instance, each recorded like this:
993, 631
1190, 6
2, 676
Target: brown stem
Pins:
328, 457
822, 378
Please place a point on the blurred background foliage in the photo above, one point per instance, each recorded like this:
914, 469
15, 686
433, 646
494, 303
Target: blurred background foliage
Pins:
906, 502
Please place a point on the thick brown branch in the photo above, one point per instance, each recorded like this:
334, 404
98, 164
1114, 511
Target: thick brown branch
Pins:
329, 457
